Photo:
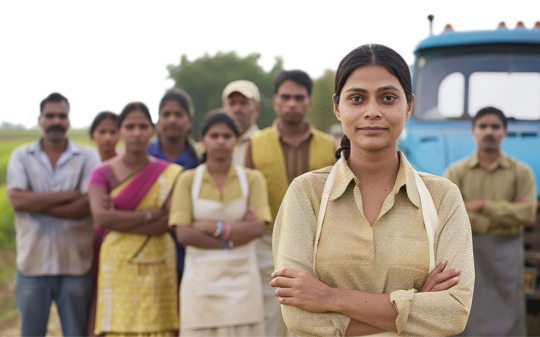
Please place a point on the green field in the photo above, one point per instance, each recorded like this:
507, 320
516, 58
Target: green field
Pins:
9, 140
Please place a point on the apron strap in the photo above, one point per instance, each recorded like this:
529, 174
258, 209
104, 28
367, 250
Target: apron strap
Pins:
242, 180
197, 182
322, 209
431, 219
429, 213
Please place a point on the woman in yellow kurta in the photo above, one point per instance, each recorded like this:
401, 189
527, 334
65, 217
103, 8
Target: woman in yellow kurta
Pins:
137, 279
356, 244
220, 209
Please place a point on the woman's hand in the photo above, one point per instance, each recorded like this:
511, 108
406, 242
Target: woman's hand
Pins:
301, 290
107, 202
439, 280
250, 214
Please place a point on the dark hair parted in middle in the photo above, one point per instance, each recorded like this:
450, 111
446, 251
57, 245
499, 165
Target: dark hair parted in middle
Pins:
101, 117
134, 106
373, 54
490, 110
217, 118
182, 97
370, 54
297, 76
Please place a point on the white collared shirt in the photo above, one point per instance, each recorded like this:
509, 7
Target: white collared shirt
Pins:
48, 245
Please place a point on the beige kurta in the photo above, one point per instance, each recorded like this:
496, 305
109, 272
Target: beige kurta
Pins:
392, 256
500, 186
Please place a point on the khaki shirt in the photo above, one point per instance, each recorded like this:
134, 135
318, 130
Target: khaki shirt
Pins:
296, 154
239, 155
500, 187
181, 204
390, 257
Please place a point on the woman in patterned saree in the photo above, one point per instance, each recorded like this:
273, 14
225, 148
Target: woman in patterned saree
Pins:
129, 197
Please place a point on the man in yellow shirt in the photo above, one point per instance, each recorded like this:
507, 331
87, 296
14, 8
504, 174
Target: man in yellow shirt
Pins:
282, 152
500, 198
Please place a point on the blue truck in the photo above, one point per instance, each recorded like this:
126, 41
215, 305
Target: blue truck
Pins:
457, 73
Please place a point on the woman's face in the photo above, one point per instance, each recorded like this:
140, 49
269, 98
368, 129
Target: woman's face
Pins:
373, 108
219, 142
136, 131
106, 135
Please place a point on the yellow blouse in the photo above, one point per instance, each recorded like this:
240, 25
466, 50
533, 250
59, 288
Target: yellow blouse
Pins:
392, 256
181, 205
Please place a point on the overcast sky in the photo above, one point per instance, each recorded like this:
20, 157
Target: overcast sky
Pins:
104, 54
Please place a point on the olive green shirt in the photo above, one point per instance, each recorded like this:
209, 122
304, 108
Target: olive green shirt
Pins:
500, 187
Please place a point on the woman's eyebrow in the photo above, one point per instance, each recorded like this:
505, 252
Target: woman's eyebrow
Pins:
356, 89
387, 87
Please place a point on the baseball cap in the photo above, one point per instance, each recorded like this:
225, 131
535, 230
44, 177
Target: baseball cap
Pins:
246, 88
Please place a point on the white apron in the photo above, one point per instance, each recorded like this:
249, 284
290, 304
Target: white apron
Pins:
220, 287
429, 213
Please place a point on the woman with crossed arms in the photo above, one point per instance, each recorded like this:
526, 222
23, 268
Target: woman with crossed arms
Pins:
356, 245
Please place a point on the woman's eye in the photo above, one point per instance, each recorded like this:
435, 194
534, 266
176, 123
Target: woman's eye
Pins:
356, 99
388, 98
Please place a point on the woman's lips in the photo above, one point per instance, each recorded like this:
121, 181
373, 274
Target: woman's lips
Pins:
372, 129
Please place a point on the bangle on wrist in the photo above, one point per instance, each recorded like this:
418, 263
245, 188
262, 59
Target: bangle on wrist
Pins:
148, 217
226, 231
219, 229
230, 244
223, 244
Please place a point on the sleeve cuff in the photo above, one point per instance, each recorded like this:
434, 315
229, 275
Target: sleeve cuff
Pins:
179, 219
264, 215
402, 299
19, 185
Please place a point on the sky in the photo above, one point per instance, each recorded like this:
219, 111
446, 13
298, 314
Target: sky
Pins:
102, 55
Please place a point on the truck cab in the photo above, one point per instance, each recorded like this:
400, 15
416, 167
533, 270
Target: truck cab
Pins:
455, 74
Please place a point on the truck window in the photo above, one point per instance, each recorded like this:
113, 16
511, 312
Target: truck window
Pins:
454, 83
517, 94
451, 96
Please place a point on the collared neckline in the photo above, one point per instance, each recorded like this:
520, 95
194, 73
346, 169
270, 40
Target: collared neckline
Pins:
231, 174
302, 139
405, 177
70, 147
503, 161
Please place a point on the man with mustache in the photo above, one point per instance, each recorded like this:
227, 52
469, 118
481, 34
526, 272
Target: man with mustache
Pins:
47, 185
500, 198
282, 152
241, 100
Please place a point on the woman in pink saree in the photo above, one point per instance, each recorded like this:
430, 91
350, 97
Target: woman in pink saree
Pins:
129, 194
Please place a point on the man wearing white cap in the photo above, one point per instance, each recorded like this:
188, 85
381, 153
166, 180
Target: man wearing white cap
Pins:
241, 99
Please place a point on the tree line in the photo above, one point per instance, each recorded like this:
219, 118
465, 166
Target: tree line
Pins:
205, 77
